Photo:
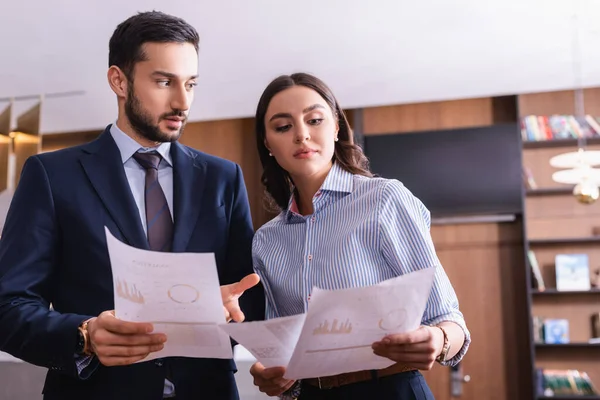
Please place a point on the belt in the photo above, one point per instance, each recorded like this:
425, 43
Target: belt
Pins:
329, 382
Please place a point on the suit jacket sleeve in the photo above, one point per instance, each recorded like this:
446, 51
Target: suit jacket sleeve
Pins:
29, 328
239, 251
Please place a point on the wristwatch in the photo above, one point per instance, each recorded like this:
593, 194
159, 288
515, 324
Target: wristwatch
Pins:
83, 340
445, 349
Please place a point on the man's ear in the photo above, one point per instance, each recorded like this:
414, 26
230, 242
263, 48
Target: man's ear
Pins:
117, 81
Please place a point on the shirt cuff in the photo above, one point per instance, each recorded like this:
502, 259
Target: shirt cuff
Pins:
292, 393
86, 365
465, 347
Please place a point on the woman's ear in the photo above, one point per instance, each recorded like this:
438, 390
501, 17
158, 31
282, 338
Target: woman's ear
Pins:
267, 146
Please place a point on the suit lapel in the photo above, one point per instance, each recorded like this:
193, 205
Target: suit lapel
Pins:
188, 186
104, 168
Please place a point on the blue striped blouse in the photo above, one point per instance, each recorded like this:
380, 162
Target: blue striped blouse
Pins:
363, 231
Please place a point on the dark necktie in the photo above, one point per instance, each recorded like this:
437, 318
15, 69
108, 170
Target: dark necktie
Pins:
158, 218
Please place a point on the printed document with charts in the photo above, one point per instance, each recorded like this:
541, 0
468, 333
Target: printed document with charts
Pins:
337, 331
177, 292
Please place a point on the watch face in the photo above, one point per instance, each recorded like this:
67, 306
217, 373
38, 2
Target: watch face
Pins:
80, 342
445, 352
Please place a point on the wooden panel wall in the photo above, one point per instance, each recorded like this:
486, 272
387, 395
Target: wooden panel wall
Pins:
479, 260
559, 102
235, 141
438, 115
5, 120
57, 141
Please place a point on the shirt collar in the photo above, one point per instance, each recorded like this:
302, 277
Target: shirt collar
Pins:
337, 180
128, 147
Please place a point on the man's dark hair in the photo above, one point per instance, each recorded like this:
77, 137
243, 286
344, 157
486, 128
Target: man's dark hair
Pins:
126, 43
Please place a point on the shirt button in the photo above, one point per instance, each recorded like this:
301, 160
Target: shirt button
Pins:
158, 363
309, 257
313, 219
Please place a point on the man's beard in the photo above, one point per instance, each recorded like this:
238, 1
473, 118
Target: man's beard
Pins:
141, 122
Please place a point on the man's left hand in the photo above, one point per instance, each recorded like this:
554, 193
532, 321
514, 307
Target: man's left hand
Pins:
231, 293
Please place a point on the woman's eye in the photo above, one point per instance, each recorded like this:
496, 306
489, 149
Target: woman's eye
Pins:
283, 128
315, 121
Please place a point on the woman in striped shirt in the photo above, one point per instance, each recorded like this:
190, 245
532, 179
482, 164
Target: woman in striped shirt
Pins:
340, 227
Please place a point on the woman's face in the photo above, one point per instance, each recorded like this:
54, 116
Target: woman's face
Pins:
301, 131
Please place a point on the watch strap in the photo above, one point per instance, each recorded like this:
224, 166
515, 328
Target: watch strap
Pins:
84, 345
443, 356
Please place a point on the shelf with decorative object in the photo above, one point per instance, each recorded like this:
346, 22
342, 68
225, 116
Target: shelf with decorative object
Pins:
556, 191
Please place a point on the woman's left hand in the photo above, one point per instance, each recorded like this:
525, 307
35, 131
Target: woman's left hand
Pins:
418, 349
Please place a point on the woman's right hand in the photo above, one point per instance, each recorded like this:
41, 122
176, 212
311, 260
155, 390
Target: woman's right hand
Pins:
270, 380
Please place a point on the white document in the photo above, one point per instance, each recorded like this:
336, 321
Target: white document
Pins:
341, 325
336, 334
271, 342
5, 357
177, 292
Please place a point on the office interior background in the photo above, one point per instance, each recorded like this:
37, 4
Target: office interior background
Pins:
479, 107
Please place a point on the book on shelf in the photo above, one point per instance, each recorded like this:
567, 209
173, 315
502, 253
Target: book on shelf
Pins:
535, 128
537, 280
553, 382
595, 279
528, 179
595, 327
538, 329
556, 331
572, 272
550, 330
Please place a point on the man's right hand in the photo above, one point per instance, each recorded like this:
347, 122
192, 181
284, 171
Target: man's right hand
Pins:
270, 380
117, 342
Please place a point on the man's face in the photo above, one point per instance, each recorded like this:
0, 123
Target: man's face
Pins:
162, 91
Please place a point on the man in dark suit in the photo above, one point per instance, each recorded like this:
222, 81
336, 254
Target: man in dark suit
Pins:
56, 287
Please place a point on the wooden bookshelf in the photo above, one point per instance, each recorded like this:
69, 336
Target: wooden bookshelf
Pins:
554, 292
590, 346
555, 223
555, 191
554, 143
573, 397
562, 241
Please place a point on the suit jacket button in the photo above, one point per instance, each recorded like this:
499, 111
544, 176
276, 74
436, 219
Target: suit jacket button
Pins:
159, 362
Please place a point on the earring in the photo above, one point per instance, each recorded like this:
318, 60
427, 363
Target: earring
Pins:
336, 139
270, 154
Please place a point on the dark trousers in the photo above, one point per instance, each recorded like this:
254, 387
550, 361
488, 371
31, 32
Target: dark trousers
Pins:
409, 385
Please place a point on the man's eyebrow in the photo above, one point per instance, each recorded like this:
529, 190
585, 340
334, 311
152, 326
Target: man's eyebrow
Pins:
171, 75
